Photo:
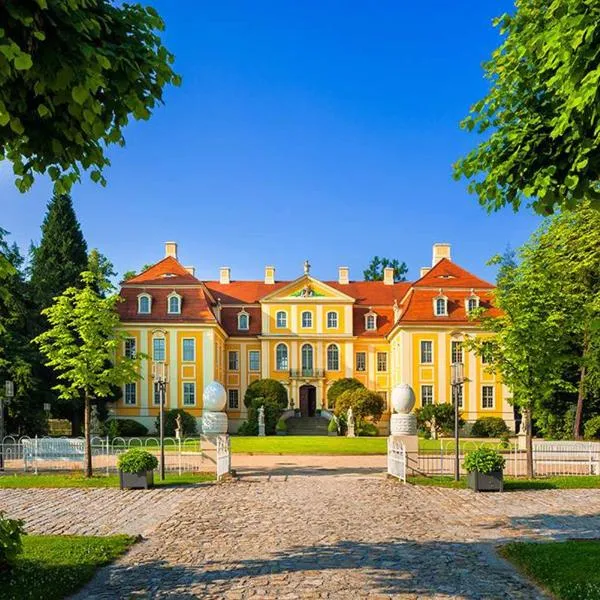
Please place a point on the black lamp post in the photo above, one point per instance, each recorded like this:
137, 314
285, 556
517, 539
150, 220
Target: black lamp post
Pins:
161, 378
457, 379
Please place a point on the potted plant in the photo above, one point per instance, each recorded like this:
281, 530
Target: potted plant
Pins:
332, 427
281, 428
484, 470
136, 469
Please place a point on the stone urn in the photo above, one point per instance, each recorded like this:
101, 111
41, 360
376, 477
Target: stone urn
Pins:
214, 399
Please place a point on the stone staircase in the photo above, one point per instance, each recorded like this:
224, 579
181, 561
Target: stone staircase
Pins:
307, 425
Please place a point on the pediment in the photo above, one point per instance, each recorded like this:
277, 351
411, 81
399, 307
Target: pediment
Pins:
307, 289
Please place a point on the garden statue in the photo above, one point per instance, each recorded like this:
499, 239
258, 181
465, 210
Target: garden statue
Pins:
350, 422
95, 425
178, 427
261, 421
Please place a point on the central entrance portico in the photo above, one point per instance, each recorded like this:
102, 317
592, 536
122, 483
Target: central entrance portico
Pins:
308, 400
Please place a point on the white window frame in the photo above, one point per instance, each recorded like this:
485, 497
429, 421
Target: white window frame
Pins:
281, 323
333, 314
312, 357
371, 321
144, 297
156, 396
185, 385
493, 398
237, 399
364, 358
128, 353
459, 353
444, 306
472, 298
183, 358
421, 347
172, 296
250, 353
128, 386
241, 314
430, 386
164, 349
333, 359
377, 356
235, 353
282, 366
306, 313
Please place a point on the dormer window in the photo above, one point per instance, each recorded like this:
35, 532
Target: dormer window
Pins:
440, 305
243, 320
144, 304
174, 303
371, 320
472, 302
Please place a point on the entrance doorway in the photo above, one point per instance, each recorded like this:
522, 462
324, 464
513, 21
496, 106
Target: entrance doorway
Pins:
308, 400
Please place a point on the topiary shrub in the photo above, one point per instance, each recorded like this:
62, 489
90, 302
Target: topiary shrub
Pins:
489, 427
269, 389
591, 429
136, 460
11, 544
281, 426
364, 403
484, 460
332, 426
340, 386
188, 422
124, 428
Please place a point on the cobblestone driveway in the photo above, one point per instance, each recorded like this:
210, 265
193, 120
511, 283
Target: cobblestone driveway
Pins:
310, 537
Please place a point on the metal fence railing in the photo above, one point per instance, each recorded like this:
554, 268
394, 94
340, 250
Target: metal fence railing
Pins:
396, 459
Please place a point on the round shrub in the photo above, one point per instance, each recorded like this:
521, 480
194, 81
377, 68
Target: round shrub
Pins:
489, 427
340, 386
332, 426
11, 544
591, 428
484, 460
124, 428
188, 422
136, 460
364, 403
281, 425
368, 430
269, 389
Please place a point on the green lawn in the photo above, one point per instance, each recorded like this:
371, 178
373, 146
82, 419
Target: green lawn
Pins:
54, 566
568, 570
307, 444
547, 483
76, 480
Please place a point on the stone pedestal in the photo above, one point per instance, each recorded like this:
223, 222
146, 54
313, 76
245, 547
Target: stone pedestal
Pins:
411, 444
261, 430
402, 424
214, 422
351, 431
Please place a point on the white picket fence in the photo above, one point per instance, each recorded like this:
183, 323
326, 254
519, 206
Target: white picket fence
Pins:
396, 458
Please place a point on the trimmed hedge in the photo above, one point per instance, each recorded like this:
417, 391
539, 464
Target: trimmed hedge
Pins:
272, 413
268, 389
493, 427
124, 428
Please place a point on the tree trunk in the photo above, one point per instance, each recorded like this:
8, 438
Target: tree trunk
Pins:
581, 389
88, 437
528, 442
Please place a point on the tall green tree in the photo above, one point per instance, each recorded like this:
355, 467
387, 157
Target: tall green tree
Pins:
72, 75
374, 272
540, 117
83, 346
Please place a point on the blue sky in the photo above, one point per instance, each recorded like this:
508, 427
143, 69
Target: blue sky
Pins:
320, 130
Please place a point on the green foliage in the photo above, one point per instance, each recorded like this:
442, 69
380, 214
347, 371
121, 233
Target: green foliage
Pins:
281, 425
367, 429
439, 417
483, 460
124, 428
592, 428
541, 111
72, 75
339, 386
332, 426
270, 389
272, 413
11, 544
364, 403
374, 272
489, 427
188, 422
136, 460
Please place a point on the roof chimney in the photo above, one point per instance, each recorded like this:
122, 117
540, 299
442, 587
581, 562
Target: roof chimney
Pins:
440, 251
424, 271
269, 275
388, 276
171, 250
343, 275
224, 275
191, 270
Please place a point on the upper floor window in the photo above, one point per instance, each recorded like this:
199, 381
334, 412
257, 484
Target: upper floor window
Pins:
159, 349
333, 358
281, 319
281, 357
457, 352
307, 358
233, 360
361, 361
243, 320
254, 360
487, 396
130, 347
426, 352
370, 321
472, 302
306, 319
174, 304
144, 304
332, 320
440, 305
382, 362
189, 349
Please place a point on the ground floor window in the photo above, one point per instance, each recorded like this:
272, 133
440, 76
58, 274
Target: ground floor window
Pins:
382, 362
459, 395
157, 396
233, 397
426, 395
361, 361
130, 394
487, 396
254, 360
189, 394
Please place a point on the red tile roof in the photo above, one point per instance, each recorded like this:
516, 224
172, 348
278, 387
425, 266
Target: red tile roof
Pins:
168, 271
446, 274
373, 293
385, 321
243, 292
229, 321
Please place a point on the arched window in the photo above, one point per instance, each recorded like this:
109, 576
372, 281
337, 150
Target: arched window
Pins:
306, 319
333, 358
371, 322
332, 320
174, 304
307, 359
472, 302
144, 304
281, 357
243, 321
281, 319
441, 307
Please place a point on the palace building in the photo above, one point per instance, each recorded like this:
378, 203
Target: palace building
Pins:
306, 333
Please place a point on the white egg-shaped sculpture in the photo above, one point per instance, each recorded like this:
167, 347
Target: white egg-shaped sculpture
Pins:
403, 398
214, 397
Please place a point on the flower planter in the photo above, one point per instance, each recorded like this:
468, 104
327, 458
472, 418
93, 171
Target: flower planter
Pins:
136, 481
486, 482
